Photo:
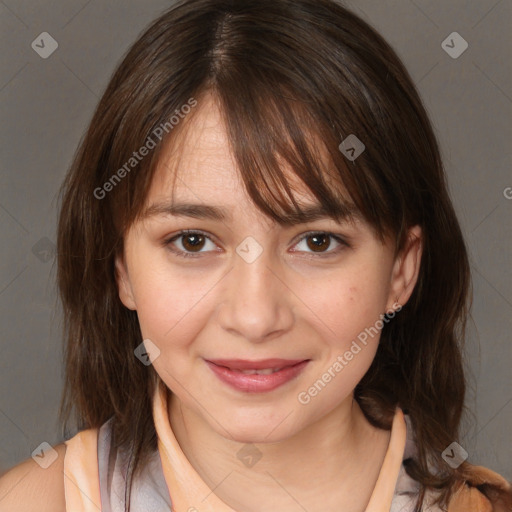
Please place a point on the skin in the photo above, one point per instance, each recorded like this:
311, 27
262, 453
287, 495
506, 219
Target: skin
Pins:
289, 303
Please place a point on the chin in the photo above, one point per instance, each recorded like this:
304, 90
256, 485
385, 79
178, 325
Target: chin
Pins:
255, 426
255, 435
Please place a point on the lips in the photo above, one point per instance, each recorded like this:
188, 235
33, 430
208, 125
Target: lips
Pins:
256, 376
243, 364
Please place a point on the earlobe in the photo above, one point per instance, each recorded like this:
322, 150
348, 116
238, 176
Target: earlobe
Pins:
123, 284
406, 269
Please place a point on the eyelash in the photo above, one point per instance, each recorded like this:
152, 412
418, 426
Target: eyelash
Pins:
168, 243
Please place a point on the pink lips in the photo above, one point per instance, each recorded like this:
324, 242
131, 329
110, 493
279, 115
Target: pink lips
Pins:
276, 373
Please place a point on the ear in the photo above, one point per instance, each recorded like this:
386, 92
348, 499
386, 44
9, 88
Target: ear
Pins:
123, 283
406, 269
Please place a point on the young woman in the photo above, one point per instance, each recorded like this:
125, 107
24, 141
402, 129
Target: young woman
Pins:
264, 282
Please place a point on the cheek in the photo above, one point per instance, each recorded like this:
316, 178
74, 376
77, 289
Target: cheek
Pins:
168, 302
171, 314
349, 304
349, 325
347, 316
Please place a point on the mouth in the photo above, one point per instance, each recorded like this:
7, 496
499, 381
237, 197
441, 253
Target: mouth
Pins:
256, 376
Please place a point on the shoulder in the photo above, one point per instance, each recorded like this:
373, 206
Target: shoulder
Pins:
29, 488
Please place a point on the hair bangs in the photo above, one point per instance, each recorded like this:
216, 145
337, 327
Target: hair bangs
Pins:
283, 156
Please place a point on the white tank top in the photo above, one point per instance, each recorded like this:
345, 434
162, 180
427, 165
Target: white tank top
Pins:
149, 494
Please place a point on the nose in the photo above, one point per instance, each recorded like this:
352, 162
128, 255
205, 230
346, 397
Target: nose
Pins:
257, 303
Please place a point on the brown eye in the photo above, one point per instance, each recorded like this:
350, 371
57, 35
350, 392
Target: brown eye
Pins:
193, 241
190, 244
324, 244
319, 242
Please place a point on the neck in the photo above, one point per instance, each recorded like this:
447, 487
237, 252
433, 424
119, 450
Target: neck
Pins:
338, 458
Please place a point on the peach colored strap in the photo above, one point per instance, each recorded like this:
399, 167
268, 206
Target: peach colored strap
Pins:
187, 490
81, 475
382, 495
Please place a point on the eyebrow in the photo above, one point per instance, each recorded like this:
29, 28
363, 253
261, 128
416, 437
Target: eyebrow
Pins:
310, 213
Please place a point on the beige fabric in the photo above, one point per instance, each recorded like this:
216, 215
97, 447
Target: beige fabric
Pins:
81, 479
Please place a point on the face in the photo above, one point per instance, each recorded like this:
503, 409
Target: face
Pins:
241, 293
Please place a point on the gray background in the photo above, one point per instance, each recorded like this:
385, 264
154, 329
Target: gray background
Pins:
45, 105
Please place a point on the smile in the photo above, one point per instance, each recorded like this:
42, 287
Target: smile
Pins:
265, 371
256, 376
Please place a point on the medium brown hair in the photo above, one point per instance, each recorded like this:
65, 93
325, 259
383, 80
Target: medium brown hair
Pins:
285, 73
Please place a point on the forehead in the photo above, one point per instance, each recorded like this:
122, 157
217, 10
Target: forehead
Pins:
198, 176
199, 162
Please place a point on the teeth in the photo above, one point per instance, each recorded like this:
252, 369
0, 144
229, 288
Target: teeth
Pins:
264, 371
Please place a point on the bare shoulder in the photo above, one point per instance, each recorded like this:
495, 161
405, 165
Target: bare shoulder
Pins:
28, 487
